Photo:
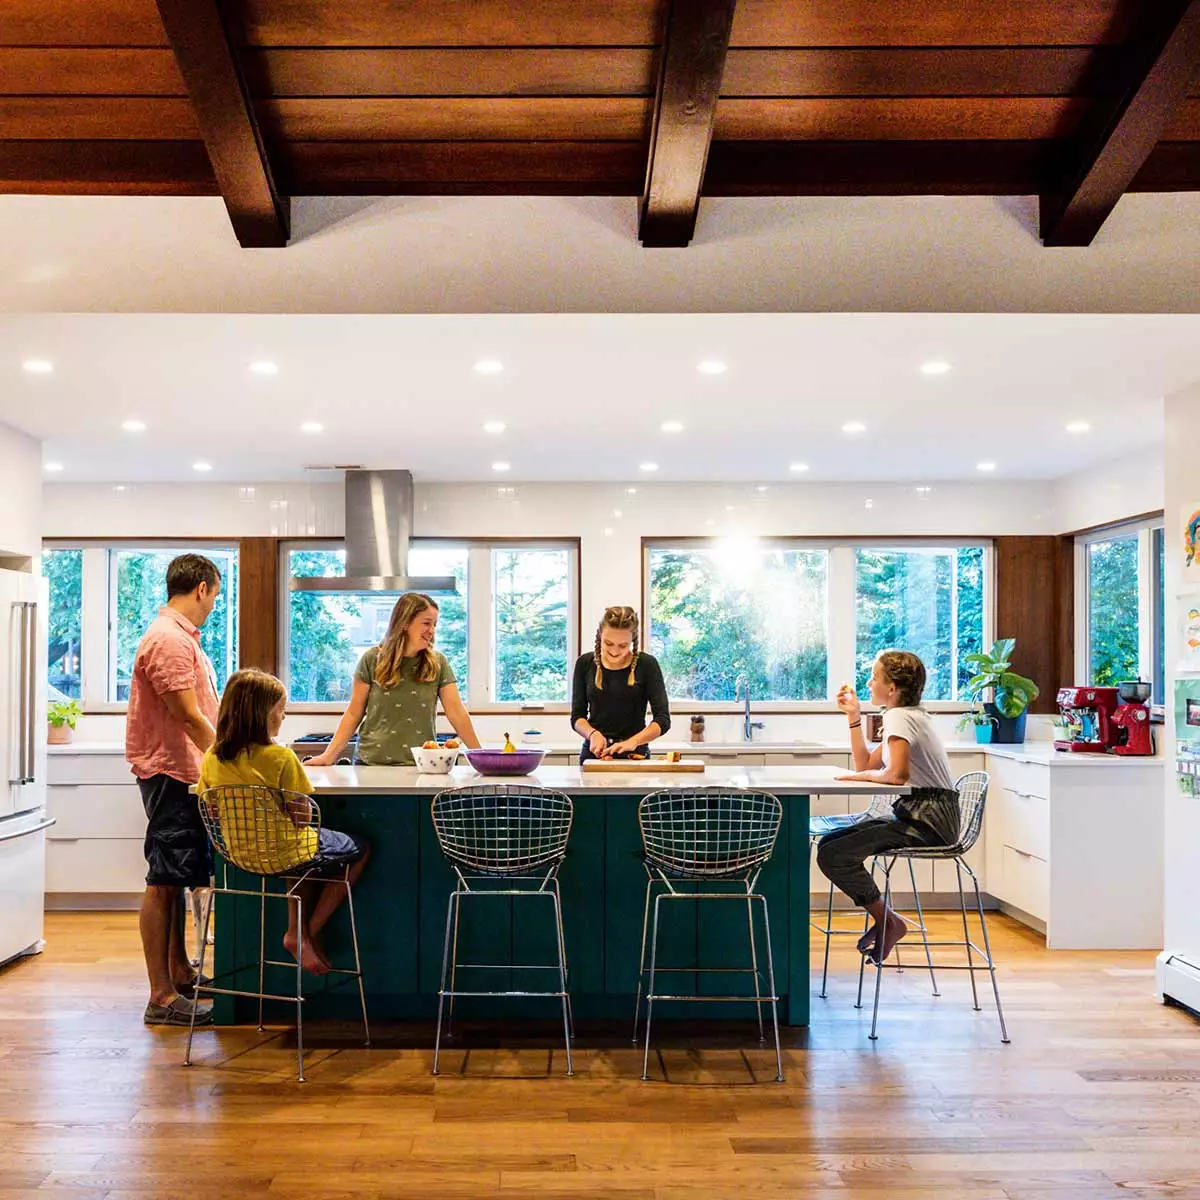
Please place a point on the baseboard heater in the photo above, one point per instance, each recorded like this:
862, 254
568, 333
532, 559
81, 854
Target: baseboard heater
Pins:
1177, 979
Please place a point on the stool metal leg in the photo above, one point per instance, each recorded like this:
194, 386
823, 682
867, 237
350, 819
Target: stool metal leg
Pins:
637, 1006
362, 995
887, 905
451, 917
771, 989
987, 949
912, 875
299, 988
562, 950
962, 904
453, 977
754, 967
828, 939
187, 1054
262, 948
650, 989
562, 979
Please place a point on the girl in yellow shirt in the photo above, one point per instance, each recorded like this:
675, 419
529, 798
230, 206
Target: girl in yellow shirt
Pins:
280, 841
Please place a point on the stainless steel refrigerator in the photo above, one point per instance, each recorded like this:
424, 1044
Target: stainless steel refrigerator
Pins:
23, 820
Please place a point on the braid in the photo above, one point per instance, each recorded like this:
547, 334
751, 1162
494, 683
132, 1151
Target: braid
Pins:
634, 662
596, 660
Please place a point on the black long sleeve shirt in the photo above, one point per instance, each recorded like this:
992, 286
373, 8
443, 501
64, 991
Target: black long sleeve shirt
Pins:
618, 709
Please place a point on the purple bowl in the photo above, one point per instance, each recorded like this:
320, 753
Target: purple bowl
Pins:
496, 762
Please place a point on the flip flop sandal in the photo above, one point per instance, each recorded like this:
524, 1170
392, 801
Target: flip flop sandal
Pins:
178, 1012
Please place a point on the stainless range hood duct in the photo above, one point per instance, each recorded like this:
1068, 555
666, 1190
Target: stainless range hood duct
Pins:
379, 519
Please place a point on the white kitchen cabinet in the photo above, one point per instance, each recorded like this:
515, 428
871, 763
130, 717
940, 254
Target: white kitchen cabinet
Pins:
94, 872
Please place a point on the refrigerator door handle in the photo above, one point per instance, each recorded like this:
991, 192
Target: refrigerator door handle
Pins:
44, 824
26, 692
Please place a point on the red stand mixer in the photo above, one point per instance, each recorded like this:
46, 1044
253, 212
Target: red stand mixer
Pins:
1106, 720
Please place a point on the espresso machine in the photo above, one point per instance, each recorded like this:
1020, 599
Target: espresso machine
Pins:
1106, 720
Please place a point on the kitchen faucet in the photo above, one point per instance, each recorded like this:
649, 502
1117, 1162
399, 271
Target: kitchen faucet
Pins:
742, 684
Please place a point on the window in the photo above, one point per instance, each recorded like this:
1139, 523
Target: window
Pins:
740, 609
929, 601
797, 616
102, 598
64, 571
509, 633
328, 632
1120, 615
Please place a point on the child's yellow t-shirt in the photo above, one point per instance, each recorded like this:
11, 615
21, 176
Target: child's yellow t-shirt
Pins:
278, 844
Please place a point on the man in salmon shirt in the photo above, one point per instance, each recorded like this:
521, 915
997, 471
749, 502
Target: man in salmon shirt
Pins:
171, 723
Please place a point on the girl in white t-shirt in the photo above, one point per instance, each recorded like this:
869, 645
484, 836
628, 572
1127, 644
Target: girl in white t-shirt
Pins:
910, 753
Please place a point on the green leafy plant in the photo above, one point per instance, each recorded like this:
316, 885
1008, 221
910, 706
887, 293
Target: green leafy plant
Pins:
63, 712
1012, 694
975, 716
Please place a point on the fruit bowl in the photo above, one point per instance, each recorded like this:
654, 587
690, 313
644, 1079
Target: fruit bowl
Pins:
500, 762
435, 761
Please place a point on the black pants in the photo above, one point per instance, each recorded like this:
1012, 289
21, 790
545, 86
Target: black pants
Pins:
843, 854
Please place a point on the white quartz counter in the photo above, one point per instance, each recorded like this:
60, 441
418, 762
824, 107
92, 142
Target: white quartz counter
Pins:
783, 781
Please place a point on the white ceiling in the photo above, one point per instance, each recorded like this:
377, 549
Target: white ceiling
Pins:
141, 303
584, 396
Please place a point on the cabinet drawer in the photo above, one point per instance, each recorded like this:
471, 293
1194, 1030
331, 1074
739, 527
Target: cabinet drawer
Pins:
95, 810
1029, 777
727, 758
797, 759
1026, 882
1024, 821
95, 865
88, 768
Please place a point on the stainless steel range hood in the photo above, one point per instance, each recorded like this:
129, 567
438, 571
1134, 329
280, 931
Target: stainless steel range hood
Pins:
379, 519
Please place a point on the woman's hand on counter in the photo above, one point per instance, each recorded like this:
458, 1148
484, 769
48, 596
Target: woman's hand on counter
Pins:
321, 760
598, 744
628, 746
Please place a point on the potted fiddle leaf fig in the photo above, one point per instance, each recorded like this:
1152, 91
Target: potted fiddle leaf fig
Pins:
1009, 695
61, 717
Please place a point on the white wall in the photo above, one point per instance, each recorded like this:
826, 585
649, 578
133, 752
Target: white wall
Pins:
1124, 488
1182, 818
21, 476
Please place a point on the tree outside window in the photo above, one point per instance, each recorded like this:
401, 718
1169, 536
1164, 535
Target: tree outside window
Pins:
1113, 610
532, 597
63, 570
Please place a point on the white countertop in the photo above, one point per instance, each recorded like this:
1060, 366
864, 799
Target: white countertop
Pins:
784, 781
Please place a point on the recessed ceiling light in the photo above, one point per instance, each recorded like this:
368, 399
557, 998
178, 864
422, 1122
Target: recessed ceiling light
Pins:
134, 426
936, 367
985, 466
618, 513
1078, 427
607, 531
489, 366
868, 504
52, 466
312, 427
923, 490
631, 491
762, 487
501, 466
201, 466
648, 466
672, 427
798, 467
264, 366
493, 427
853, 427
711, 366
37, 366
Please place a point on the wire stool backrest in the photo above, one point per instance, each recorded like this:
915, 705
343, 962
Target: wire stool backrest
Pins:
502, 829
709, 832
263, 830
972, 795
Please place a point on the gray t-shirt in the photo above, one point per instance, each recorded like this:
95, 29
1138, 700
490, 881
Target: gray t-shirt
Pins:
928, 766
399, 717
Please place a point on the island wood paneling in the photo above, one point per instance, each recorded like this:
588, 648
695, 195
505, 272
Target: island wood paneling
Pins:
258, 603
108, 71
1035, 605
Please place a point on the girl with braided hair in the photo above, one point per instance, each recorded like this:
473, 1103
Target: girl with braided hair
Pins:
613, 686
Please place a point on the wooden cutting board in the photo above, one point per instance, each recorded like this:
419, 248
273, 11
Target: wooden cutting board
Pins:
650, 765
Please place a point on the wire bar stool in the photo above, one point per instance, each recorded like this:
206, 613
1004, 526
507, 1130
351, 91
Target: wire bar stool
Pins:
972, 796
711, 837
818, 827
274, 834
515, 834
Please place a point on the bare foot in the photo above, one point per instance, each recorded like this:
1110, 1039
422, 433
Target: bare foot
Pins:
895, 927
310, 960
868, 939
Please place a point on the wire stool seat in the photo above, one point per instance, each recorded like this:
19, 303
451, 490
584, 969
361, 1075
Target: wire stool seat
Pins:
274, 834
972, 791
514, 834
710, 837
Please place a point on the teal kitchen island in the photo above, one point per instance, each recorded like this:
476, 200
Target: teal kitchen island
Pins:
400, 902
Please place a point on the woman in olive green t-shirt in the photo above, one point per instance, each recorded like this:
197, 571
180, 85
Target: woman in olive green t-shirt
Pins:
397, 686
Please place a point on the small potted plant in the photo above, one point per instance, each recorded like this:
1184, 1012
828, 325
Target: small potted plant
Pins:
979, 720
62, 716
1010, 694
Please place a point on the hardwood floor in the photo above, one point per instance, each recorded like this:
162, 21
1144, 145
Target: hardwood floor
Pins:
1096, 1097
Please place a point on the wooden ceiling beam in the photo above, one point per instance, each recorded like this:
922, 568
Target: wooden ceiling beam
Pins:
1163, 64
694, 46
202, 47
